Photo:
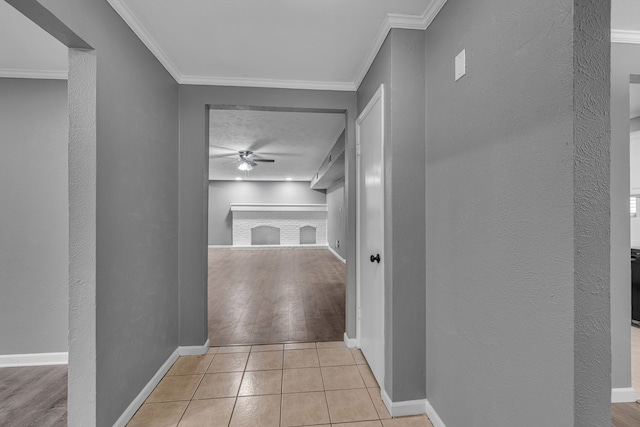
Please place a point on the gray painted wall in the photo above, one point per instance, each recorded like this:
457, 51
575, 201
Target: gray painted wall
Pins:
194, 101
400, 65
336, 220
503, 235
34, 218
223, 193
136, 205
625, 61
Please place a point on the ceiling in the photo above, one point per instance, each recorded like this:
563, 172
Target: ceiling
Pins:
297, 141
26, 50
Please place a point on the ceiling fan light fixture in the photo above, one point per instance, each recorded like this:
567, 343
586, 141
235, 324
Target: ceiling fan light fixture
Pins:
245, 166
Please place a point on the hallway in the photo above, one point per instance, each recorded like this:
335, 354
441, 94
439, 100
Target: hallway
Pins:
300, 384
275, 296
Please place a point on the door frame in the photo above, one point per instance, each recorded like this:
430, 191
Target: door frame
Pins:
377, 96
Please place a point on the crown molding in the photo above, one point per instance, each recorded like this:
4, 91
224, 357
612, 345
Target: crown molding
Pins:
267, 83
407, 22
33, 74
410, 22
625, 36
129, 18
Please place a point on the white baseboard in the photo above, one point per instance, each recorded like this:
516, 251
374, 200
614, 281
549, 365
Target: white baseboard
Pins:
623, 395
263, 247
34, 359
337, 255
405, 408
219, 246
146, 391
433, 415
349, 342
194, 350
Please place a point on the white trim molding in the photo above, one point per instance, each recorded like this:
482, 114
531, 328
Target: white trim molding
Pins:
412, 22
408, 22
130, 19
268, 83
11, 73
195, 350
273, 207
153, 382
433, 415
349, 342
625, 36
33, 359
404, 408
337, 255
623, 395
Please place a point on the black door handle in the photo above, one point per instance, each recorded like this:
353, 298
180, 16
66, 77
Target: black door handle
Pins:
375, 258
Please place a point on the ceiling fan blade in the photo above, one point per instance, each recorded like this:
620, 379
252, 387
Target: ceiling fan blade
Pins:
264, 160
221, 156
223, 148
260, 143
280, 154
229, 162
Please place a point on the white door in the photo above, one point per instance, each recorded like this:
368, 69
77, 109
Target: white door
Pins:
370, 233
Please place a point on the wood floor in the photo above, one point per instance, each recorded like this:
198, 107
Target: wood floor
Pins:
275, 296
33, 396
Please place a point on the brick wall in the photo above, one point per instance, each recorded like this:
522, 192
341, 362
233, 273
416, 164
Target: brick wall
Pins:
288, 222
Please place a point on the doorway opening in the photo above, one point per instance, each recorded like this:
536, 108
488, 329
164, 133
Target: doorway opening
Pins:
276, 225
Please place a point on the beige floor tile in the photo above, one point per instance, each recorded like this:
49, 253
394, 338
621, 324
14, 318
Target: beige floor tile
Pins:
219, 385
341, 377
228, 362
210, 413
262, 361
190, 365
252, 411
383, 413
235, 349
358, 356
212, 350
173, 388
301, 409
359, 424
301, 380
350, 405
299, 346
335, 357
267, 347
261, 382
367, 376
165, 414
301, 359
331, 344
415, 421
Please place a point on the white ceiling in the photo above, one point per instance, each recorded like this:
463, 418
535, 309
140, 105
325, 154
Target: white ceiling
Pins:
297, 141
318, 44
26, 50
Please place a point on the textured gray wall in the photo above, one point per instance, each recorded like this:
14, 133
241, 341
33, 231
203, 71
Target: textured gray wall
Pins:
34, 220
194, 187
503, 238
336, 220
223, 193
400, 65
625, 61
136, 117
592, 211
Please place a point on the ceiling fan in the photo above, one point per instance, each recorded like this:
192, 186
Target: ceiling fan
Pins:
246, 159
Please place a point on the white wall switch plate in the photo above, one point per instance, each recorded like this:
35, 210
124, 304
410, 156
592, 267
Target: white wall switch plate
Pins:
461, 65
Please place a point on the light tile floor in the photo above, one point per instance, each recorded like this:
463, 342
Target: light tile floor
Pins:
321, 384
